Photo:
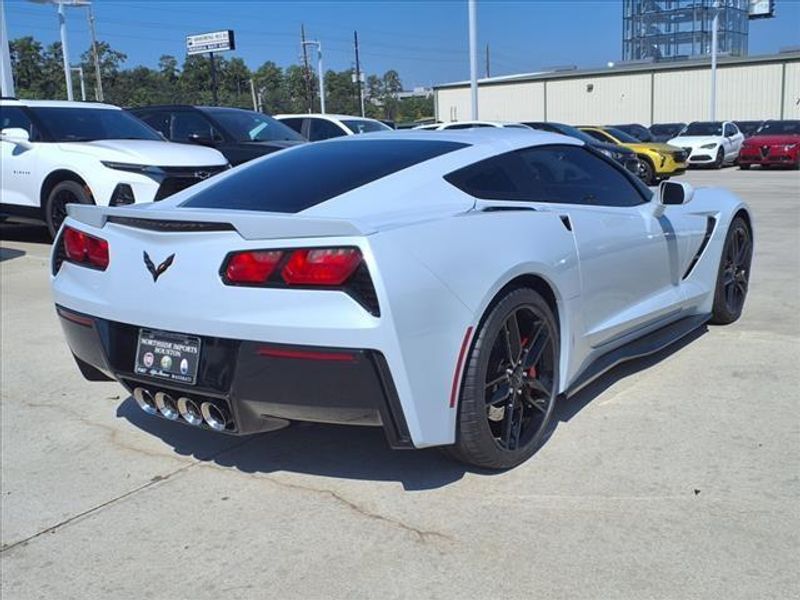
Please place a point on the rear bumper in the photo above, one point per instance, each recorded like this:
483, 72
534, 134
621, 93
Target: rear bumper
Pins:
255, 381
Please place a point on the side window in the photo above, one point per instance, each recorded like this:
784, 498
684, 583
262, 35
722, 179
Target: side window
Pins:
13, 116
157, 120
730, 130
189, 125
495, 178
573, 175
322, 129
295, 123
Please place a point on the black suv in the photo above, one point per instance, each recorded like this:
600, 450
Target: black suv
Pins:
240, 135
626, 157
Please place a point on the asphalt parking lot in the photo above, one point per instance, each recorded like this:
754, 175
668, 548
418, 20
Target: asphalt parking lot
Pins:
675, 476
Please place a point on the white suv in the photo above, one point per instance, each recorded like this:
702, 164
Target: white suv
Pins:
53, 153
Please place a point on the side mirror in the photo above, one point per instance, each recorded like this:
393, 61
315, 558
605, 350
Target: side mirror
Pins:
672, 193
16, 135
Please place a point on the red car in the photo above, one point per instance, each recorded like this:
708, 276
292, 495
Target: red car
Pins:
777, 143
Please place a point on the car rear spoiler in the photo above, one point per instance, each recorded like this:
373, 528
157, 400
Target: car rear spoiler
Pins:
251, 225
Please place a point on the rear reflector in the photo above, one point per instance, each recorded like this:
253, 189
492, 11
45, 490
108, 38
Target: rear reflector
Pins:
84, 249
306, 354
321, 266
75, 317
252, 267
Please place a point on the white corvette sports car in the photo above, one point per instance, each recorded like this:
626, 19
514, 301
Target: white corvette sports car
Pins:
447, 289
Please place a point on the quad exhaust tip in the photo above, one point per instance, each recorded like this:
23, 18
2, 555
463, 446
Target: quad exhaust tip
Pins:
145, 400
215, 417
167, 406
190, 411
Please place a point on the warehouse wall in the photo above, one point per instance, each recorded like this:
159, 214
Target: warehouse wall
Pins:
791, 96
749, 91
599, 99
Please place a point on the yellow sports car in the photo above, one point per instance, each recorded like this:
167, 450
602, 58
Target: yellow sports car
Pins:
656, 161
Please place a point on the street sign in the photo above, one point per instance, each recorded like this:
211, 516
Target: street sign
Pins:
216, 41
761, 9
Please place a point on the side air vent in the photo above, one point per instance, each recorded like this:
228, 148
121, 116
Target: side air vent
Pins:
165, 225
711, 223
507, 208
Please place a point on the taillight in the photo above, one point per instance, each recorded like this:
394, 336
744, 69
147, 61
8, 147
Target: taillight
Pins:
321, 266
84, 249
339, 268
252, 267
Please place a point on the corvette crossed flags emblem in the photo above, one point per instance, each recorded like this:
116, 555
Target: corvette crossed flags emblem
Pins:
156, 272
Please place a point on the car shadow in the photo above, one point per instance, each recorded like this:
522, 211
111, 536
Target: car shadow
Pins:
352, 452
24, 232
10, 253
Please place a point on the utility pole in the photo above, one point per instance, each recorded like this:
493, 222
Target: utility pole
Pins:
712, 112
306, 75
488, 70
6, 74
79, 70
62, 23
213, 78
320, 73
473, 58
359, 82
98, 90
253, 94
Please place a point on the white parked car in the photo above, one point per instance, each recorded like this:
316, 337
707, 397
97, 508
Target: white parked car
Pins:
470, 125
316, 127
710, 143
54, 153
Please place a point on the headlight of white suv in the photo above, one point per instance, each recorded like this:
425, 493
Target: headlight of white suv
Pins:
709, 146
133, 168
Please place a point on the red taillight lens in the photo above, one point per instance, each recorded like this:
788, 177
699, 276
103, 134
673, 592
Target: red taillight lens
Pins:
321, 266
252, 267
85, 249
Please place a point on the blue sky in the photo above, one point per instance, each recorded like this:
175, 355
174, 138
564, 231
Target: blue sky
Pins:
425, 41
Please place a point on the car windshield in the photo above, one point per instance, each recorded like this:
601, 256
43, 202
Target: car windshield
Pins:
622, 136
703, 128
780, 128
365, 125
248, 126
90, 124
666, 129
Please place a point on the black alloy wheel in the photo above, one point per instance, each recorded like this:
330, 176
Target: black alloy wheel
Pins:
66, 192
646, 172
720, 160
734, 273
510, 383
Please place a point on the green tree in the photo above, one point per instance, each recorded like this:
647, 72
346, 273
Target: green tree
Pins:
26, 64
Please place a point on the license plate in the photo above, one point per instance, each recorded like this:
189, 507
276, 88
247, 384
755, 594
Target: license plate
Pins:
171, 356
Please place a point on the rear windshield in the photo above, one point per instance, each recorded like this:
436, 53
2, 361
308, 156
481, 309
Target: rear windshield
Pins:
297, 179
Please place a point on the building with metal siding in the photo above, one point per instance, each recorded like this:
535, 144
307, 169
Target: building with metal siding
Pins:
763, 87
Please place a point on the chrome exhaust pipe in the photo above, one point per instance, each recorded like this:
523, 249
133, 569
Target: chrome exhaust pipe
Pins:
167, 406
215, 417
145, 400
190, 411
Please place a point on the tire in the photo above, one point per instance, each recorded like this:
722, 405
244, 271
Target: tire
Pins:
744, 167
733, 275
720, 159
488, 434
66, 192
647, 172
